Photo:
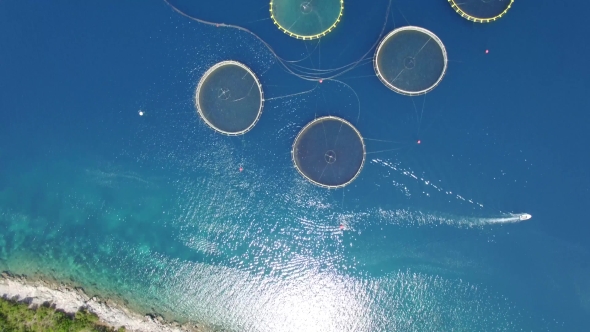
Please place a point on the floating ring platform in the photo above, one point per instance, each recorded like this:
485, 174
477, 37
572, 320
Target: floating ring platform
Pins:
481, 11
304, 19
329, 152
229, 98
410, 60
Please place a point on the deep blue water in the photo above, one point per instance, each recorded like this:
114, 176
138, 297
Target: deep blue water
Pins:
154, 210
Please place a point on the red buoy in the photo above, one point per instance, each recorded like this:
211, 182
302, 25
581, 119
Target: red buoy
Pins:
487, 51
341, 227
241, 168
321, 80
419, 141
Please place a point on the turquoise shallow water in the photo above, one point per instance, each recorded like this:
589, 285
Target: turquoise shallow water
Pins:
153, 209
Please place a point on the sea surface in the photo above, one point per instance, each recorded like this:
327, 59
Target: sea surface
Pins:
155, 211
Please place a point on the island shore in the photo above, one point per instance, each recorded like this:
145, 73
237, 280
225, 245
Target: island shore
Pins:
70, 300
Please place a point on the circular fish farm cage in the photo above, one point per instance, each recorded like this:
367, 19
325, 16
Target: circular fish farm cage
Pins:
329, 152
229, 98
306, 19
481, 11
410, 60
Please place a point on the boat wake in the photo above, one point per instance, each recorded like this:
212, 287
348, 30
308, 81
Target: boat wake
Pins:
509, 219
418, 184
420, 218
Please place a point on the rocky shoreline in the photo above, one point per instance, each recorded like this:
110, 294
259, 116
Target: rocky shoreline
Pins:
71, 299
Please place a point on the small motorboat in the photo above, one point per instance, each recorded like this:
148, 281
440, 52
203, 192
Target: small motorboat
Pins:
525, 216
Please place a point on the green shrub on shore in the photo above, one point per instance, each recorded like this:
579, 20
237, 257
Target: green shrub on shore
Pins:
18, 317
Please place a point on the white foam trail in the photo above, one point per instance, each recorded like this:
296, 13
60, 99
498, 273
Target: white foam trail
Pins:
423, 181
400, 216
506, 220
409, 217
